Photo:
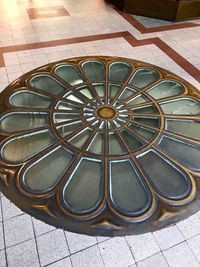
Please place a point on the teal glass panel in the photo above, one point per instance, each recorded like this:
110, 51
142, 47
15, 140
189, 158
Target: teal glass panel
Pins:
148, 121
146, 133
115, 146
67, 129
119, 71
28, 99
80, 139
167, 178
127, 92
64, 117
127, 191
20, 121
43, 174
95, 71
100, 89
182, 106
131, 140
113, 89
47, 83
144, 77
82, 191
69, 74
188, 128
96, 145
182, 151
166, 89
21, 148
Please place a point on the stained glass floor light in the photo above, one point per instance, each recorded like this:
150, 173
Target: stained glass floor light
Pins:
101, 145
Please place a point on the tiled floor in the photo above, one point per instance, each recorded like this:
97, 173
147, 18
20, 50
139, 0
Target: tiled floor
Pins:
35, 32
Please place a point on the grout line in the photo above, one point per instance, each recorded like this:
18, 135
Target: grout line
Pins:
35, 239
4, 239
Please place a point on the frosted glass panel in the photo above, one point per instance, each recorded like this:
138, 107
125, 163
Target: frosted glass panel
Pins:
97, 144
66, 106
69, 74
137, 100
144, 77
100, 89
95, 70
46, 83
189, 128
115, 146
80, 139
143, 132
30, 99
18, 121
131, 140
64, 130
82, 191
184, 106
47, 171
63, 117
113, 90
119, 71
25, 146
127, 93
183, 152
166, 89
74, 98
126, 188
154, 122
168, 180
145, 110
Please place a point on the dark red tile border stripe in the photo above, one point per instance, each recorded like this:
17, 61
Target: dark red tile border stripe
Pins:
142, 29
34, 13
175, 56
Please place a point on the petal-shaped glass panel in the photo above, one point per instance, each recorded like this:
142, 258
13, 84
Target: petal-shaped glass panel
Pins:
69, 74
128, 192
66, 106
131, 140
119, 71
28, 99
189, 128
66, 129
19, 121
95, 70
137, 100
115, 146
127, 92
149, 121
146, 133
100, 89
21, 148
82, 191
144, 77
63, 117
113, 89
168, 179
80, 139
43, 174
166, 89
183, 106
47, 83
183, 152
96, 145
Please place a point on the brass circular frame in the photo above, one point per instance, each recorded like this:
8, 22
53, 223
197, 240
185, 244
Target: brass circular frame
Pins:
104, 219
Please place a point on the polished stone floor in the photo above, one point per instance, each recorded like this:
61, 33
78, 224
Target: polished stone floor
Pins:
34, 33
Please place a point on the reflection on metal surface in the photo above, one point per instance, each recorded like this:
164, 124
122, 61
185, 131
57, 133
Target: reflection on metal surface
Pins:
102, 146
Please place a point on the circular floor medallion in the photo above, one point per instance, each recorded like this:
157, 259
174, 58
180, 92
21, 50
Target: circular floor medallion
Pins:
101, 145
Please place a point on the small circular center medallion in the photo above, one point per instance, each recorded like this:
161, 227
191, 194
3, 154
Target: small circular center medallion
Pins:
106, 113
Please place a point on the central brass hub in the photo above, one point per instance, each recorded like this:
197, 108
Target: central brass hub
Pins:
106, 113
